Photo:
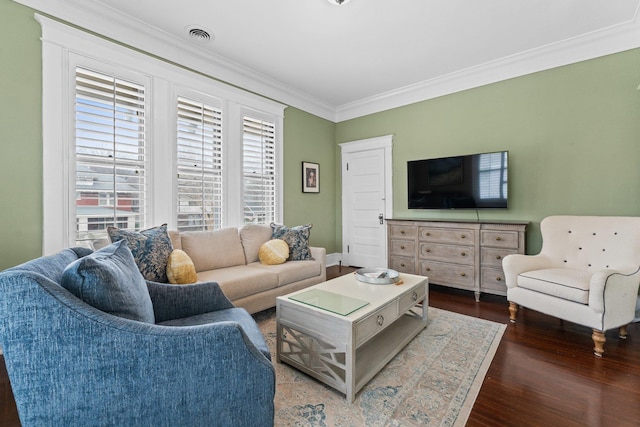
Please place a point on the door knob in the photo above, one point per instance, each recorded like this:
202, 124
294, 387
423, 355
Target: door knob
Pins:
381, 218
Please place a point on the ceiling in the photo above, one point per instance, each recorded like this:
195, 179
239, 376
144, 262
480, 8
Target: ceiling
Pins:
370, 55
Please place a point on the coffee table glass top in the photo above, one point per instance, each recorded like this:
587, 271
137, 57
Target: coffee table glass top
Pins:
330, 301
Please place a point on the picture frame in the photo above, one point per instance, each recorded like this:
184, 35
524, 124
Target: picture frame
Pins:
310, 177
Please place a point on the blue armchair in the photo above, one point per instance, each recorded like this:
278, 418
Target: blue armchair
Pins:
203, 363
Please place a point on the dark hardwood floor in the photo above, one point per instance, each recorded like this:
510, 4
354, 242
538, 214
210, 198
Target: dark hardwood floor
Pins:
543, 374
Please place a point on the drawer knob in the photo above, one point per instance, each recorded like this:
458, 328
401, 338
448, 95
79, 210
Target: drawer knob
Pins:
414, 296
498, 279
401, 246
402, 264
428, 269
401, 231
428, 234
463, 236
380, 320
498, 238
463, 274
498, 257
463, 253
428, 250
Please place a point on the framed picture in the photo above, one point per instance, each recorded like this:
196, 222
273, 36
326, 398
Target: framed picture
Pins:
310, 177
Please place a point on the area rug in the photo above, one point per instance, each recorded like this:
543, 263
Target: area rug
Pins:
433, 381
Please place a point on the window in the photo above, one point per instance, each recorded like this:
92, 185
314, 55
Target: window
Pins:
110, 166
493, 175
132, 141
259, 170
199, 166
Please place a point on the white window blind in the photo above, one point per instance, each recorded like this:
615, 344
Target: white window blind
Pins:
259, 170
199, 166
493, 175
110, 158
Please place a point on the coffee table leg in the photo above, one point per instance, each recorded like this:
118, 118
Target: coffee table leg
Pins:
350, 372
278, 334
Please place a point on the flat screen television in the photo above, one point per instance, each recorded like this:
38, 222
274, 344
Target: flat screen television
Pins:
475, 181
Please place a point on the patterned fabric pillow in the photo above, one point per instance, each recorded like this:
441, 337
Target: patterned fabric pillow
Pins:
297, 238
151, 249
109, 280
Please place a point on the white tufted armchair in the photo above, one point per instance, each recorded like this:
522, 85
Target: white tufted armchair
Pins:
588, 272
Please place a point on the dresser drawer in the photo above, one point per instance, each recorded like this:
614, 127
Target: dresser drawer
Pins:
405, 248
493, 280
376, 321
411, 298
499, 239
402, 264
492, 257
448, 274
456, 236
402, 231
447, 253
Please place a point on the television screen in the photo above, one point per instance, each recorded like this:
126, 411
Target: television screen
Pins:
475, 181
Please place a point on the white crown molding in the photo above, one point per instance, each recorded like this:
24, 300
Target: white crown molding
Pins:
107, 22
614, 39
122, 28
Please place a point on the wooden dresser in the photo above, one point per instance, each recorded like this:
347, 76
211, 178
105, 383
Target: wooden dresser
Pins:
459, 254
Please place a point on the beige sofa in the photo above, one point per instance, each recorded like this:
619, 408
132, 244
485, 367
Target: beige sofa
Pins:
230, 257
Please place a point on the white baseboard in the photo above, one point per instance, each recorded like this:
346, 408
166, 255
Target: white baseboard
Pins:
334, 259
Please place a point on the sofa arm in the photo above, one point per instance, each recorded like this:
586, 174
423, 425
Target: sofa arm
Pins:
515, 264
178, 301
615, 289
320, 254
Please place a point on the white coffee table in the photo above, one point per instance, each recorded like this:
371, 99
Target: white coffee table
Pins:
346, 350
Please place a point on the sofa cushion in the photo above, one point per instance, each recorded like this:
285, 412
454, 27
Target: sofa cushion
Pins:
151, 249
239, 315
180, 268
176, 241
572, 285
291, 271
109, 280
252, 237
297, 238
273, 252
210, 250
240, 281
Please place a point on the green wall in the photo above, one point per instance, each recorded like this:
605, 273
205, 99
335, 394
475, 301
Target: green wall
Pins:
573, 135
20, 135
308, 138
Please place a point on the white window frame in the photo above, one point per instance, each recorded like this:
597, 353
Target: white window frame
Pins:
63, 48
213, 102
278, 158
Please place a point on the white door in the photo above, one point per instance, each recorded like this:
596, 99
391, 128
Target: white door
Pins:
367, 201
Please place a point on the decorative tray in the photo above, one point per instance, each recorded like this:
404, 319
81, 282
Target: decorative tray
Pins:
377, 276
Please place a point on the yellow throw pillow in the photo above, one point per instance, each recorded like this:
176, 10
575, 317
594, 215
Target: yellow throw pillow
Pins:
180, 268
273, 252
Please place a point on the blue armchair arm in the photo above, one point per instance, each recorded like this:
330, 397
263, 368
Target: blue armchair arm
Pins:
71, 364
178, 301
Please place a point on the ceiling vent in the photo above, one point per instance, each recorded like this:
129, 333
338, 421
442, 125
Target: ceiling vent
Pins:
199, 33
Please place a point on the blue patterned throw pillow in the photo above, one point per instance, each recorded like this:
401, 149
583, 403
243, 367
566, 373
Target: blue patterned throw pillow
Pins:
109, 280
297, 238
150, 248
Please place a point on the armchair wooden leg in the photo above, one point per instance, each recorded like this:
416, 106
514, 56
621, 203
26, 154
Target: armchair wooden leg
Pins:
622, 332
513, 310
598, 341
